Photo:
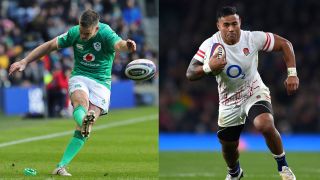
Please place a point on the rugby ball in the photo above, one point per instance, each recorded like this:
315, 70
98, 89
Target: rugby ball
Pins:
218, 49
140, 69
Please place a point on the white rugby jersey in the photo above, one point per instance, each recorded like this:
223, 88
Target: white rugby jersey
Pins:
240, 78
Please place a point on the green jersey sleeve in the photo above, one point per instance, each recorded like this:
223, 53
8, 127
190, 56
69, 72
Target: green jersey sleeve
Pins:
67, 39
110, 37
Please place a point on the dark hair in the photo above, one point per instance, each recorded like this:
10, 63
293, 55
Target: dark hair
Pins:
226, 11
89, 18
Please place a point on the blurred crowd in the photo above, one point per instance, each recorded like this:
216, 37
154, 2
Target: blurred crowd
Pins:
193, 106
25, 25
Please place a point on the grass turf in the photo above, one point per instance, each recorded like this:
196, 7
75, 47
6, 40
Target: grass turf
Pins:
256, 165
124, 151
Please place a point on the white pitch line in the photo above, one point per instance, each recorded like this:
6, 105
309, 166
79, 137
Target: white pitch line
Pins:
106, 126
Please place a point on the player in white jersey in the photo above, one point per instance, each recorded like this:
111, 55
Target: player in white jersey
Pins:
242, 94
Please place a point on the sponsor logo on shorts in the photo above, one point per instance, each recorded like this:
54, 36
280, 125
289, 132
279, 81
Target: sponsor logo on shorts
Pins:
268, 97
77, 86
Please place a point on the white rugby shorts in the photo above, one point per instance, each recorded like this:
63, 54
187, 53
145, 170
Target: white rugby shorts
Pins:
98, 94
235, 115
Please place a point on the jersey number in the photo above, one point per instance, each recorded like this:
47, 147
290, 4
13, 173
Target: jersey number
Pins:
234, 71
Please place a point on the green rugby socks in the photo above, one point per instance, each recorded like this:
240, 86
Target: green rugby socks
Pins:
72, 149
77, 141
78, 114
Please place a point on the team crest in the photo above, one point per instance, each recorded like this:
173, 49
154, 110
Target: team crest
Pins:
97, 46
88, 57
246, 51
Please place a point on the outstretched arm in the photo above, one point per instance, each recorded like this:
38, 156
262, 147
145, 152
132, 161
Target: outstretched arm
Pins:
292, 81
125, 46
35, 54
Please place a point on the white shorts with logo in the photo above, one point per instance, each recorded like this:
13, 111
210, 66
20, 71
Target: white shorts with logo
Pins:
236, 114
98, 94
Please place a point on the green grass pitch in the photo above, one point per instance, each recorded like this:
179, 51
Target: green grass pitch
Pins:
123, 145
256, 166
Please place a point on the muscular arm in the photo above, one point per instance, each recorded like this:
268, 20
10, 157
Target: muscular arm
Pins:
41, 50
195, 71
281, 44
196, 68
35, 54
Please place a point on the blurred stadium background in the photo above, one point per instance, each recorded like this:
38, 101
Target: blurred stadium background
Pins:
26, 24
41, 90
189, 110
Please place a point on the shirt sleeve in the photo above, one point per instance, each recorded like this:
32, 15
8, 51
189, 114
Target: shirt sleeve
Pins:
110, 38
263, 40
66, 39
201, 53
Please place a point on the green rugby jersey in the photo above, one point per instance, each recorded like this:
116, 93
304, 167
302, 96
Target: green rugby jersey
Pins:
92, 58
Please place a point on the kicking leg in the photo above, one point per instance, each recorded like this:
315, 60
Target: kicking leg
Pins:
80, 102
88, 121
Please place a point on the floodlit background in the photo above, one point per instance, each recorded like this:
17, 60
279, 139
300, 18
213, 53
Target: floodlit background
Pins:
189, 110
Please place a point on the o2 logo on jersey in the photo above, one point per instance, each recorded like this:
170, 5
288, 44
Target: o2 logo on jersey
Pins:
89, 57
234, 71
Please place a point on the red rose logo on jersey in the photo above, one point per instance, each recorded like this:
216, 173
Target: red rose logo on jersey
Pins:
88, 57
246, 51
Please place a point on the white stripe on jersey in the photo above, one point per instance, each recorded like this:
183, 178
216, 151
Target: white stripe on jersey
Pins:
200, 54
268, 46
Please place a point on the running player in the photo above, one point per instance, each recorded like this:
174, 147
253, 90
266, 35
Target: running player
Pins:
94, 45
242, 94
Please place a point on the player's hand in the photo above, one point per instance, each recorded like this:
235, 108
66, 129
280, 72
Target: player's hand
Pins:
17, 66
291, 84
131, 45
217, 64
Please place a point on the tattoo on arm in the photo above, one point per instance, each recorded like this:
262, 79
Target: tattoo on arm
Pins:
194, 71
